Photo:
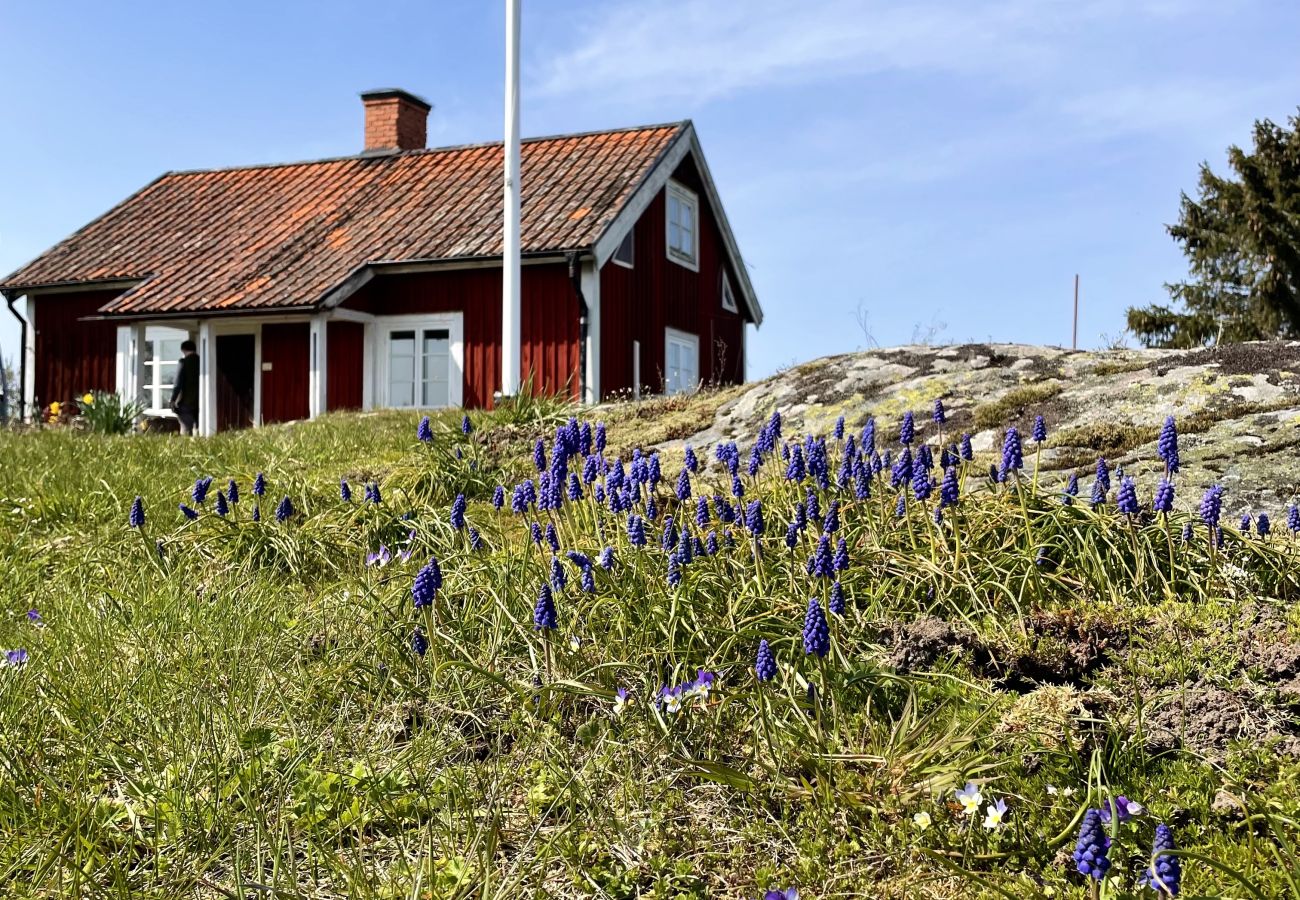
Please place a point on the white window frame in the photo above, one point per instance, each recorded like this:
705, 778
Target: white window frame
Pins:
686, 197
727, 294
630, 243
687, 340
452, 323
157, 396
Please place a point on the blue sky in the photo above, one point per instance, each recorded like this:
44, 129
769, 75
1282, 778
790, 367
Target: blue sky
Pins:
939, 166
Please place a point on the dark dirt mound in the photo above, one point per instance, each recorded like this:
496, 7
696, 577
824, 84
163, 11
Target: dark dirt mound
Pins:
920, 644
1064, 648
1206, 720
1274, 660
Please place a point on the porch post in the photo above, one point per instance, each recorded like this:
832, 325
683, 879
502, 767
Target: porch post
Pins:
207, 379
318, 377
368, 365
29, 410
591, 293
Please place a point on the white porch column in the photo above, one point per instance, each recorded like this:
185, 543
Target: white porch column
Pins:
591, 293
318, 376
30, 412
368, 355
207, 379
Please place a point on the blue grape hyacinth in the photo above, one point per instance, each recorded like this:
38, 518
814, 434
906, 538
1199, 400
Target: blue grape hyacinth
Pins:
1164, 499
259, 485
1293, 518
939, 415
544, 615
765, 662
1127, 500
1263, 525
426, 585
907, 430
465, 426
424, 431
967, 452
754, 518
1167, 446
1165, 874
836, 602
232, 491
1071, 489
1012, 453
1103, 474
1091, 851
188, 512
816, 631
200, 492
419, 643
950, 489
1212, 505
284, 512
221, 508
345, 490
137, 513
458, 512
1040, 429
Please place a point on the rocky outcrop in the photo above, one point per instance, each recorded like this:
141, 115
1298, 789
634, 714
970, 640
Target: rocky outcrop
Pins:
1237, 407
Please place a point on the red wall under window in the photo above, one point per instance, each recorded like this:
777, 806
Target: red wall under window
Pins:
72, 357
284, 386
345, 352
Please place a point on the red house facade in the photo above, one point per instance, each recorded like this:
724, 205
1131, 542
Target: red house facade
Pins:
376, 281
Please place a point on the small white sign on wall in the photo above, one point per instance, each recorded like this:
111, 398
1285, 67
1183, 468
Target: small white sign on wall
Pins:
266, 367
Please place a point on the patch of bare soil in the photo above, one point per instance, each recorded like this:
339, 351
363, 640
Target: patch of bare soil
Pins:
920, 644
1064, 648
1206, 720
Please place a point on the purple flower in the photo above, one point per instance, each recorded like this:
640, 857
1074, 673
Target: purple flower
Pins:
711, 543
691, 462
475, 539
1122, 807
674, 571
424, 431
1071, 489
1262, 524
636, 530
539, 455
1092, 849
15, 659
967, 453
792, 535
1040, 430
232, 491
816, 632
841, 561
552, 537
544, 616
1164, 499
836, 602
1103, 474
1167, 446
188, 513
939, 416
901, 473
257, 513
950, 490
259, 485
822, 564
606, 559
684, 486
765, 663
427, 583
465, 426
1012, 456
754, 518
419, 643
921, 484
1127, 500
345, 490
1187, 533
558, 578
869, 437
796, 471
221, 508
1165, 874
1293, 518
832, 522
284, 512
535, 532
1212, 505
1098, 494
499, 497
900, 508
701, 511
575, 487
600, 437
1246, 524
137, 513
907, 430
787, 894
372, 493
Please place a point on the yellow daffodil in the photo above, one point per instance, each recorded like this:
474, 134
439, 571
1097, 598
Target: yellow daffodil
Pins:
55, 407
88, 399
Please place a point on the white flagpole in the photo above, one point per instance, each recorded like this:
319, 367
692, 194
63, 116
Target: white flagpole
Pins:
510, 303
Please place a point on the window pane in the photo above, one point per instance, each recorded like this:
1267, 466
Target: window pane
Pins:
436, 351
169, 350
167, 373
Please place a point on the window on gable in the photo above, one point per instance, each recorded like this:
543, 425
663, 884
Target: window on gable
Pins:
683, 226
624, 254
728, 298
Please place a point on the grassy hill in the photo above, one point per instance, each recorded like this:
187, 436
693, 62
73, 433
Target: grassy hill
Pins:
241, 705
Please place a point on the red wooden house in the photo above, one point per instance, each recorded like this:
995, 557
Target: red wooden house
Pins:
375, 280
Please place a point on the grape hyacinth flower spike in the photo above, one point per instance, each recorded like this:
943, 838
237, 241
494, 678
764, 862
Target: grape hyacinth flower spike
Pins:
907, 430
1012, 455
1040, 430
939, 415
1126, 500
345, 490
232, 491
765, 663
465, 426
259, 485
816, 631
424, 431
1167, 447
1212, 506
137, 513
284, 511
188, 512
1091, 851
544, 615
1263, 525
1165, 874
1164, 499
1293, 518
221, 508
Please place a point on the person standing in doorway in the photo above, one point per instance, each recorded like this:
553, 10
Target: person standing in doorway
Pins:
185, 393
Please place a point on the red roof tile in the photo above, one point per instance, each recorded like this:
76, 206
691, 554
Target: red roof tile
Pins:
281, 236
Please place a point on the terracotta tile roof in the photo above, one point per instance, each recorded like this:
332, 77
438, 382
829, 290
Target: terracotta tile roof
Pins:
281, 236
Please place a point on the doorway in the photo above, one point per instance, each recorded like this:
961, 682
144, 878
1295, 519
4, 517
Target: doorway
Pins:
236, 357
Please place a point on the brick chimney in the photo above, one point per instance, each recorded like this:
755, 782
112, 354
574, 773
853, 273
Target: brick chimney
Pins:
395, 120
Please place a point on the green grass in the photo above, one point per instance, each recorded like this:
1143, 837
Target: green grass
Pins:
243, 715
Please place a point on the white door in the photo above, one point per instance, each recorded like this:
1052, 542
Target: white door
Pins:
681, 361
422, 368
435, 353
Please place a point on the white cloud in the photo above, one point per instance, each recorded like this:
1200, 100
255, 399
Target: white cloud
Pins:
705, 49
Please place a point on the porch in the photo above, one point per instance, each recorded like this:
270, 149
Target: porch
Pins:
256, 370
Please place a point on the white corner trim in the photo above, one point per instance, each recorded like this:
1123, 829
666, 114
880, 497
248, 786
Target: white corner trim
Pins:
591, 293
29, 355
318, 370
207, 379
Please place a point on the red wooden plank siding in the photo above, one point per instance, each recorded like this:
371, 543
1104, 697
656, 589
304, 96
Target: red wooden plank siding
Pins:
72, 357
284, 385
344, 344
639, 303
549, 328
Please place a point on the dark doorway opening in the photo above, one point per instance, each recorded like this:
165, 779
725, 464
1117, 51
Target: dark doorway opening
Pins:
235, 378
